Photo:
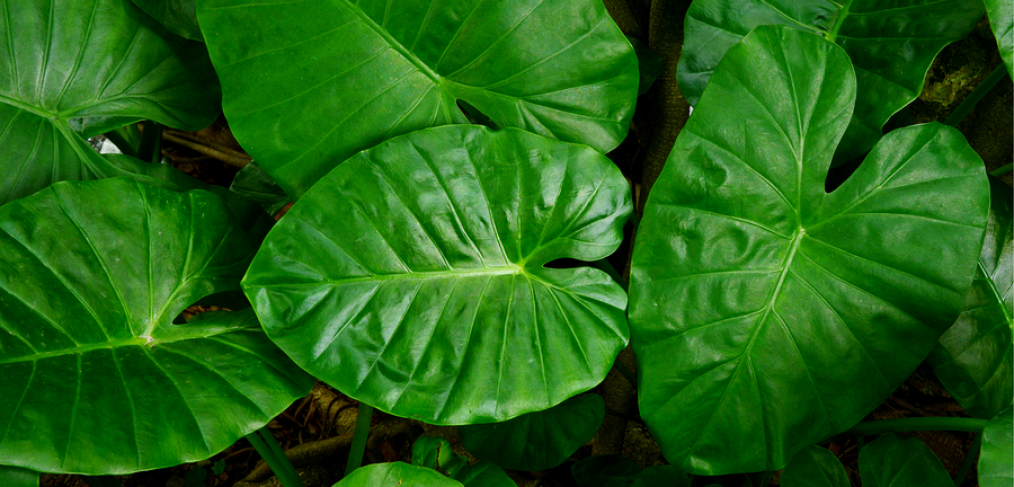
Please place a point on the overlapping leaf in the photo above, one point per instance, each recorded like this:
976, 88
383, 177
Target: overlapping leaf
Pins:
996, 462
1001, 19
815, 466
975, 357
436, 453
71, 68
179, 16
901, 461
412, 278
891, 44
309, 83
766, 312
97, 379
396, 474
539, 440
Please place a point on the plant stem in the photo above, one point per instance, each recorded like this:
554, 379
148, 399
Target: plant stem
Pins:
278, 463
358, 448
972, 99
973, 453
283, 459
626, 372
916, 424
1000, 171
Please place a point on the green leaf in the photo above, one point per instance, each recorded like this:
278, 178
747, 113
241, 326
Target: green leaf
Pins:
649, 65
411, 277
395, 474
662, 476
767, 312
179, 16
901, 461
253, 183
84, 67
891, 44
996, 460
309, 83
484, 474
539, 440
18, 477
975, 358
605, 471
1001, 19
815, 466
436, 453
97, 378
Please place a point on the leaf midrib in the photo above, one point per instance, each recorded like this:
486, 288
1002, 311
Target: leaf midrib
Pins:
423, 67
451, 273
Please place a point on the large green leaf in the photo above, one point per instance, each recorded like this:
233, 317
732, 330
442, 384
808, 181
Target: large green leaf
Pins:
1001, 18
891, 43
815, 466
396, 474
179, 16
82, 67
996, 460
901, 461
766, 312
309, 83
18, 477
97, 379
411, 277
975, 357
539, 440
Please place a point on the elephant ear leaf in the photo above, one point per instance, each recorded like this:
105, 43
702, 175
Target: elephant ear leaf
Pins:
762, 307
891, 44
412, 277
309, 83
903, 461
93, 275
18, 477
996, 460
1001, 19
72, 68
975, 357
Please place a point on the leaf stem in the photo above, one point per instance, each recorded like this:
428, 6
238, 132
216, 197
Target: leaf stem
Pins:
358, 448
899, 425
150, 149
626, 372
973, 98
970, 457
274, 457
1000, 171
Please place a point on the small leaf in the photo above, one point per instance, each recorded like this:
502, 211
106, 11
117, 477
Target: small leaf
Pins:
396, 474
412, 277
815, 466
539, 440
975, 358
309, 83
97, 379
605, 471
253, 183
436, 453
901, 461
218, 468
996, 460
483, 474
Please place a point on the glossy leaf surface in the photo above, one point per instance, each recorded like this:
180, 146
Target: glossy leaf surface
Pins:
539, 440
97, 379
1001, 19
484, 474
767, 312
891, 44
975, 357
411, 277
70, 67
996, 460
253, 183
179, 16
309, 83
901, 461
18, 477
815, 466
396, 474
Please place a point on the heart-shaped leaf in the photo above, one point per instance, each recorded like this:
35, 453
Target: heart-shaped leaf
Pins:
18, 477
975, 357
539, 440
82, 67
97, 379
901, 461
766, 312
396, 474
815, 467
179, 16
309, 83
996, 460
1001, 19
891, 44
411, 277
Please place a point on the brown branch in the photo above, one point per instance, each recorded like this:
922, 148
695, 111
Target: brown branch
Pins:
224, 154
